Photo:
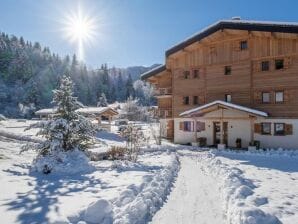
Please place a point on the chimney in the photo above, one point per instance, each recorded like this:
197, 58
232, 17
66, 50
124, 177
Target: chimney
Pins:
236, 18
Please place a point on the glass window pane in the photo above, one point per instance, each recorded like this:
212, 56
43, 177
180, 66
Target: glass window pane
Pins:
266, 97
279, 97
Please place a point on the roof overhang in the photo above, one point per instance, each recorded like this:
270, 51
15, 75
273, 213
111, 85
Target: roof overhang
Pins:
236, 25
153, 72
218, 104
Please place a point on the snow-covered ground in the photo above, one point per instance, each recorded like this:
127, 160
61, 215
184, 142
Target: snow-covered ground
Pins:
188, 185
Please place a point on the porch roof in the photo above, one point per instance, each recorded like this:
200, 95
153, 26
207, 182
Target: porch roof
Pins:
215, 105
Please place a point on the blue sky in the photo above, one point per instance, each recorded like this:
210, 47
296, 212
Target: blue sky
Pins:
131, 32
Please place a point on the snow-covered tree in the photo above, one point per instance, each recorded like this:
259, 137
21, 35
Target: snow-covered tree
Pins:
134, 112
102, 102
68, 131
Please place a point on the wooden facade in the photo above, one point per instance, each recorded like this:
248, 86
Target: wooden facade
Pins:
237, 63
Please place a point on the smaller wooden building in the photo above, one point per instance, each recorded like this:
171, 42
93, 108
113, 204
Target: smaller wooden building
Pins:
47, 113
103, 115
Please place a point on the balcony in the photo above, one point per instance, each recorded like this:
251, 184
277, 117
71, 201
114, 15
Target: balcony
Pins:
165, 113
163, 92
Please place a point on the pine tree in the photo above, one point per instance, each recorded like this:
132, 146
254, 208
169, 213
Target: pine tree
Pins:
129, 88
102, 102
68, 130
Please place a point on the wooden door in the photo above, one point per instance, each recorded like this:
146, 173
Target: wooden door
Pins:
217, 133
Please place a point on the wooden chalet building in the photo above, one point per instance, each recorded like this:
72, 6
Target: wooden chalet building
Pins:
234, 80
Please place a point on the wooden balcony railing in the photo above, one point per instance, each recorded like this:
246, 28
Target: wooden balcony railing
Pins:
163, 91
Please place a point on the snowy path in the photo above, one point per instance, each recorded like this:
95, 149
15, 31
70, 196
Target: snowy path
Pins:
194, 199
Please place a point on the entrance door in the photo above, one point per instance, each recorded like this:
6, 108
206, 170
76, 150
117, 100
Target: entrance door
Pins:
217, 130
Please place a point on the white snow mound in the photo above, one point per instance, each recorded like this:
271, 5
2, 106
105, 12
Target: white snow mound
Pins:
99, 212
70, 162
236, 192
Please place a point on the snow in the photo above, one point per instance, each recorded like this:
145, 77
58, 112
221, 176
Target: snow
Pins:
90, 196
46, 111
227, 104
168, 184
95, 110
195, 198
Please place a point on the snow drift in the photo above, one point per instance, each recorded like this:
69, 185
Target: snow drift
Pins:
237, 193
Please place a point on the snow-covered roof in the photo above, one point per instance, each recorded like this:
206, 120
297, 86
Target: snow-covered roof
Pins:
265, 26
153, 72
225, 104
95, 110
46, 111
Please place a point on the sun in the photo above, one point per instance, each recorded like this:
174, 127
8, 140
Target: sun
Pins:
80, 29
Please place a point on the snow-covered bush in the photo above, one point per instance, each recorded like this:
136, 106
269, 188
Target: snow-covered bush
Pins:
116, 152
135, 139
68, 131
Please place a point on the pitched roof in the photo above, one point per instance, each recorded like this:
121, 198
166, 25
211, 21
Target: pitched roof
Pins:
265, 26
153, 72
95, 110
225, 104
46, 111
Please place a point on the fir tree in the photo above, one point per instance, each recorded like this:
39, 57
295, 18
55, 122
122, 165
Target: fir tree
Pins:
68, 130
102, 102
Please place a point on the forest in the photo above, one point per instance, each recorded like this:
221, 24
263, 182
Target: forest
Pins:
29, 73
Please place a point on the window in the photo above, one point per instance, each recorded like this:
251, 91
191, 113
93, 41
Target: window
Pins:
187, 126
186, 100
266, 128
265, 97
265, 66
196, 74
279, 97
200, 126
228, 70
243, 45
195, 100
228, 98
186, 74
279, 129
279, 64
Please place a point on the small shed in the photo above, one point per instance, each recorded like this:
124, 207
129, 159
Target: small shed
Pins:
103, 115
47, 113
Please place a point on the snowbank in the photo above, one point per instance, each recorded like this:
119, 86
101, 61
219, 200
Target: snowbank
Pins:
19, 137
137, 205
261, 152
237, 192
70, 162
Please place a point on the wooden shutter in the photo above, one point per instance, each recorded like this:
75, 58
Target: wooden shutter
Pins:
256, 66
258, 128
287, 62
181, 125
288, 129
236, 46
258, 97
286, 96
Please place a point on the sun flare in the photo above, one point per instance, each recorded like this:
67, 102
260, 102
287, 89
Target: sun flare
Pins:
80, 29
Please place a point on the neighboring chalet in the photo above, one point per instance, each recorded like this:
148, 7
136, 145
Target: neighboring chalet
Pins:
47, 113
234, 83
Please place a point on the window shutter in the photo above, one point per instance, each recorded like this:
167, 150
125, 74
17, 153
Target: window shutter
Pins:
192, 126
287, 62
256, 66
236, 46
181, 126
257, 128
286, 96
289, 129
258, 97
